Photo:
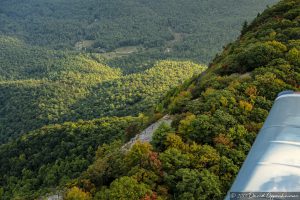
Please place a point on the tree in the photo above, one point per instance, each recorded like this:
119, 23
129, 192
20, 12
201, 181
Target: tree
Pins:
174, 141
204, 157
139, 155
108, 164
244, 28
179, 101
193, 184
124, 188
198, 128
173, 159
294, 56
227, 171
76, 193
160, 135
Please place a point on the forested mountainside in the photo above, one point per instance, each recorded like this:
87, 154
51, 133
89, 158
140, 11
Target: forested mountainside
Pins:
69, 60
52, 156
217, 117
198, 29
42, 87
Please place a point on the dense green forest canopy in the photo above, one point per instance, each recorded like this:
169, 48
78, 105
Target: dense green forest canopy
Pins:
198, 28
216, 119
216, 115
63, 61
44, 91
51, 156
68, 60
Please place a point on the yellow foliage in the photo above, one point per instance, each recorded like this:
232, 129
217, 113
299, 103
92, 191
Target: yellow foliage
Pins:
184, 126
208, 91
246, 106
76, 193
294, 55
223, 139
224, 101
277, 45
233, 85
175, 141
251, 91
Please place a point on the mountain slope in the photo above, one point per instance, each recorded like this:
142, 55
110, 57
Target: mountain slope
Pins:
51, 156
47, 90
68, 60
106, 25
217, 117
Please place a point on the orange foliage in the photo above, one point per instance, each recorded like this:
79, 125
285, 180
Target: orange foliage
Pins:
223, 139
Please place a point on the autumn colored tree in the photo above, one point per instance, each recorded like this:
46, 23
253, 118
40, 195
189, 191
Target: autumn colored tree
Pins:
124, 188
77, 194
